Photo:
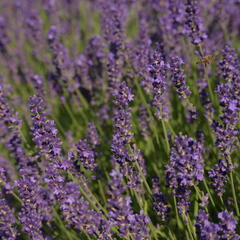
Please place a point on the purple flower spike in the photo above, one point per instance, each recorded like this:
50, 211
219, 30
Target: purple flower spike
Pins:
43, 130
86, 155
206, 230
228, 226
158, 70
194, 24
178, 78
186, 168
218, 176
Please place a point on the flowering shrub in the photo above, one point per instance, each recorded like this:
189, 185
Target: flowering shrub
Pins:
119, 119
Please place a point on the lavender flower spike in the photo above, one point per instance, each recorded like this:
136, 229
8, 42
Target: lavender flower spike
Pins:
186, 168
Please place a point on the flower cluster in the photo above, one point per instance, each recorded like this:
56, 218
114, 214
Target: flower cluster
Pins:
119, 119
225, 229
186, 169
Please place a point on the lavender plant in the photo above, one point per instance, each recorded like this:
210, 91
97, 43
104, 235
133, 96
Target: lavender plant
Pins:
119, 120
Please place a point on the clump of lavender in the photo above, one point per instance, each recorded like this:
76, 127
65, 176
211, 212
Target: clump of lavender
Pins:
34, 208
186, 168
194, 24
77, 213
120, 211
225, 229
7, 220
228, 66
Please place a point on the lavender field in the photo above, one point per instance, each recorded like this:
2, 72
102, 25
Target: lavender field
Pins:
119, 119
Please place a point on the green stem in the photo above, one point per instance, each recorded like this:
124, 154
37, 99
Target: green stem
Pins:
176, 212
62, 225
234, 194
209, 193
206, 76
232, 186
166, 136
144, 179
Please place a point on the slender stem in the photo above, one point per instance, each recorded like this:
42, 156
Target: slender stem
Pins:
232, 186
234, 194
166, 136
176, 212
199, 196
191, 226
209, 193
188, 226
62, 224
144, 179
206, 75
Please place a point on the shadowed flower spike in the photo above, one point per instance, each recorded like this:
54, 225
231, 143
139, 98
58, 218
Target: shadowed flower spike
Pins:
4, 38
119, 119
10, 129
93, 137
34, 26
160, 203
8, 229
144, 122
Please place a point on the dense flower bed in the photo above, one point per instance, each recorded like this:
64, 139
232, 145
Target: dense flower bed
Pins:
119, 119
